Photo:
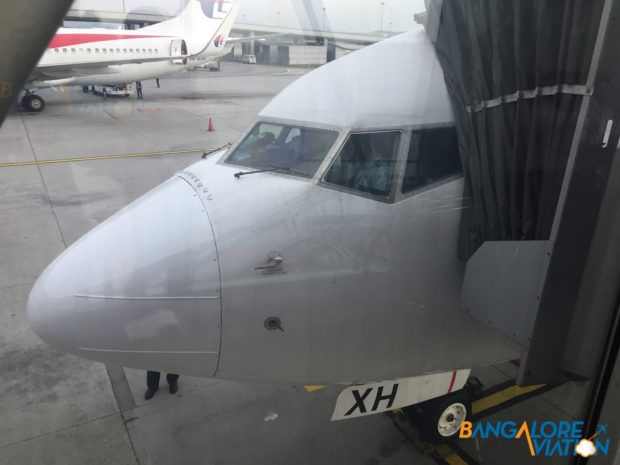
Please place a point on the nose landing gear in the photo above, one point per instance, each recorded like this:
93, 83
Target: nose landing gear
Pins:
33, 103
439, 420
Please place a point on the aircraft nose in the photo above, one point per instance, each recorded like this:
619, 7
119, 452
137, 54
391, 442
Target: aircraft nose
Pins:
140, 290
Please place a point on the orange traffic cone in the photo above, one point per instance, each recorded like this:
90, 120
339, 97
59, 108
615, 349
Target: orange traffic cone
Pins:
211, 129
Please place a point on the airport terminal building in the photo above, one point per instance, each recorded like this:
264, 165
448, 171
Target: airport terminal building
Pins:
290, 45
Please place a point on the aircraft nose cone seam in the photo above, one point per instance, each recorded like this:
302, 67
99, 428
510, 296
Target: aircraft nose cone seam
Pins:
140, 290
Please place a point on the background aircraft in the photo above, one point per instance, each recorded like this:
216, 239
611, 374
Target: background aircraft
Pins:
108, 57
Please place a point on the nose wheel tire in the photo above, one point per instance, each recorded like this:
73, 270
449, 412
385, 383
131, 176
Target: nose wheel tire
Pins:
33, 103
450, 419
440, 419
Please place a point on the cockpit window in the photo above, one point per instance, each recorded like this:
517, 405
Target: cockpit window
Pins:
433, 156
366, 163
296, 148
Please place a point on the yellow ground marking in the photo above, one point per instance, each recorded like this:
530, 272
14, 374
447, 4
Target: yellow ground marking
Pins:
411, 432
502, 396
108, 157
455, 459
451, 457
314, 388
446, 452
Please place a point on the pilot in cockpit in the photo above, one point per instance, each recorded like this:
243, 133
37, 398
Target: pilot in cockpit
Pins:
375, 174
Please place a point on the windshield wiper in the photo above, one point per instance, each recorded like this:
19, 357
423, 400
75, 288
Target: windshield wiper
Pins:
272, 168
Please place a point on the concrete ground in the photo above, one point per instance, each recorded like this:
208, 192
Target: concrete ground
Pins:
58, 409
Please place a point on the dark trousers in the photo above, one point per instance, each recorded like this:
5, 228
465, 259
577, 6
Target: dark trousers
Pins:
152, 379
139, 94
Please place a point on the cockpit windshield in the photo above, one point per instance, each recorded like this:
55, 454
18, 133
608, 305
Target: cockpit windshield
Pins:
298, 150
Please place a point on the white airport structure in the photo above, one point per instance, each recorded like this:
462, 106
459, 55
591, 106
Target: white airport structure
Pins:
295, 46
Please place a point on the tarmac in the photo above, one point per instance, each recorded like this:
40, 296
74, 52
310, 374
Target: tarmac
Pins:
59, 409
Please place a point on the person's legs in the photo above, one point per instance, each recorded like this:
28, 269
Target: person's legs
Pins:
152, 379
152, 383
173, 384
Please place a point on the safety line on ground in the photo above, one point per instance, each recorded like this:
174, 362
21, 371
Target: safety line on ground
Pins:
501, 397
489, 404
451, 456
441, 454
314, 388
492, 400
109, 157
461, 452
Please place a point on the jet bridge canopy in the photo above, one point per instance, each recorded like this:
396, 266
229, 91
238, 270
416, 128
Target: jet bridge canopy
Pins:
531, 85
517, 74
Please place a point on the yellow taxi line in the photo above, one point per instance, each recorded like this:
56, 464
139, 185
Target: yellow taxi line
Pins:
313, 388
105, 157
444, 451
449, 455
502, 396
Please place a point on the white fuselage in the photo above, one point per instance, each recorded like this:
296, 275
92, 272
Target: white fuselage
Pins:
109, 57
83, 46
321, 248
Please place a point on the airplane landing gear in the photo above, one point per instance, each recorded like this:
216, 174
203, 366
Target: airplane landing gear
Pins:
33, 103
440, 419
445, 416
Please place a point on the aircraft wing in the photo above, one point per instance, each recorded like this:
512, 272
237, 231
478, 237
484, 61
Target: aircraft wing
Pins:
239, 40
231, 42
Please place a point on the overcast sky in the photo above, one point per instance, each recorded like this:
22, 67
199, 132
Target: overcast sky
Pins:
336, 15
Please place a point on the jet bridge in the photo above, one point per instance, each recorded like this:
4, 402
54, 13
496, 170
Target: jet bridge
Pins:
532, 86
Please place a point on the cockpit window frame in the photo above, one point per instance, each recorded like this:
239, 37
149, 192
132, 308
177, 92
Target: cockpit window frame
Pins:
223, 160
402, 152
400, 195
396, 170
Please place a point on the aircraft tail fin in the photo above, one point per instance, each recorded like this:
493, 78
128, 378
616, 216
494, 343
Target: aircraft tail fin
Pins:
216, 9
199, 23
222, 33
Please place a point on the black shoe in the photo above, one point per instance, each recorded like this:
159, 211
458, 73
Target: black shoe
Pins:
148, 395
173, 387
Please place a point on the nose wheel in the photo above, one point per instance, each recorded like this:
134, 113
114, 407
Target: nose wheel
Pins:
450, 419
440, 419
33, 103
